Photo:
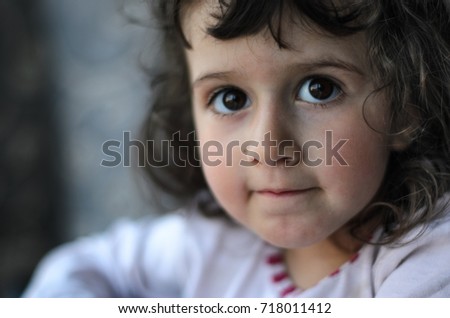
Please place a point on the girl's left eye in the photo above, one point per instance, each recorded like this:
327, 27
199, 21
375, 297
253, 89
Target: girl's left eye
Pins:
229, 100
318, 90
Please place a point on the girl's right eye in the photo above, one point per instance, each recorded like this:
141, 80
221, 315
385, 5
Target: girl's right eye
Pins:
229, 100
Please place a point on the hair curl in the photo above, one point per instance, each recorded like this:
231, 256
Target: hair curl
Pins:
409, 49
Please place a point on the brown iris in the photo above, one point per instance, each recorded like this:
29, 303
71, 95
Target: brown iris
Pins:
321, 88
234, 99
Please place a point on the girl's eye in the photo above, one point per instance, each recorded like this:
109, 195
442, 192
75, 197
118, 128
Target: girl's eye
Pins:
229, 100
318, 90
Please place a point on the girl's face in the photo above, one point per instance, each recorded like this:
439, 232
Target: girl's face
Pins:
285, 146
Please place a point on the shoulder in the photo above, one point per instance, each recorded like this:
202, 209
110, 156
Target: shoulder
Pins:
146, 257
418, 265
200, 255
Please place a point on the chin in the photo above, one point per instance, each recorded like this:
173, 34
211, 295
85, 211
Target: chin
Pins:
291, 235
283, 240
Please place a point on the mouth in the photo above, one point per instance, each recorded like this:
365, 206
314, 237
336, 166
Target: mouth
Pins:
281, 193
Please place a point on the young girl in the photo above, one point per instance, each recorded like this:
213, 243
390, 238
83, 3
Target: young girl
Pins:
322, 132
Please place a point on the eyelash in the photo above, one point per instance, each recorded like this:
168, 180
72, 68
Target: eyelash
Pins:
216, 93
327, 105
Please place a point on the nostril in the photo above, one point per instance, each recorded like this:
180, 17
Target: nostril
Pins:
250, 149
287, 153
294, 160
272, 152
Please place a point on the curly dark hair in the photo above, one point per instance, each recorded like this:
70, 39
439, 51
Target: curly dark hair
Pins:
409, 50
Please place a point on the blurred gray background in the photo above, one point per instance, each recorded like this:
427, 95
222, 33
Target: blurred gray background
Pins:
72, 78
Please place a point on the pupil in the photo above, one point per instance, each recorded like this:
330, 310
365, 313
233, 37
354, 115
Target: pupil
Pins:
321, 88
234, 100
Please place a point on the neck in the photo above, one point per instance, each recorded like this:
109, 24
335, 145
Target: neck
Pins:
308, 265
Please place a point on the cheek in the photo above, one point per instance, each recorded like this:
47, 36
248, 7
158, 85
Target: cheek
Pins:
220, 180
357, 183
221, 173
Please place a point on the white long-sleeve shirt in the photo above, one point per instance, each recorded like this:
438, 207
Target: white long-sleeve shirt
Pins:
187, 255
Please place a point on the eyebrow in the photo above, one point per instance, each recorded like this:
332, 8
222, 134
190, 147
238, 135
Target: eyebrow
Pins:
214, 75
335, 63
308, 66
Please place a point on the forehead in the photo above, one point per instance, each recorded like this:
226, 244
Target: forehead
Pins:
197, 17
304, 43
228, 19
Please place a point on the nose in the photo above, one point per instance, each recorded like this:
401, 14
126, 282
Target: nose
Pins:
273, 139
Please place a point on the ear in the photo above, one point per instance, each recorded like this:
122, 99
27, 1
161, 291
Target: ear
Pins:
401, 141
410, 121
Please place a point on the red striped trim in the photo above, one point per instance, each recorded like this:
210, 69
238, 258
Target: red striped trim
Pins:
335, 272
275, 259
288, 290
279, 277
354, 257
